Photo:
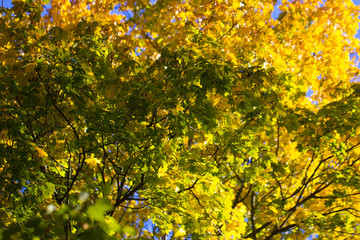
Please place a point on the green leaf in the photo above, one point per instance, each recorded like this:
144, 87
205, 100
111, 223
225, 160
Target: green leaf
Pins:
97, 212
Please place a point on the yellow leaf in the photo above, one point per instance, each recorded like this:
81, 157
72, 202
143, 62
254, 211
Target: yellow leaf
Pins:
40, 151
92, 161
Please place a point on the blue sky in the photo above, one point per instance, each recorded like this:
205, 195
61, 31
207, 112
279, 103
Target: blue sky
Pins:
6, 3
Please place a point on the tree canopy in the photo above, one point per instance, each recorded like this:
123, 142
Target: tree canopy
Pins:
206, 119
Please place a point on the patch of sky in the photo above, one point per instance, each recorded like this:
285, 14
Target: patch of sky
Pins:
313, 236
6, 3
139, 50
309, 93
276, 12
357, 64
152, 228
23, 189
356, 58
118, 9
149, 225
46, 9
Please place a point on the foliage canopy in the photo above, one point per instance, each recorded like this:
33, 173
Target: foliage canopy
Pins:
190, 114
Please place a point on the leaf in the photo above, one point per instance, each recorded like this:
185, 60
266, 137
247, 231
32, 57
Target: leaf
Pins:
97, 212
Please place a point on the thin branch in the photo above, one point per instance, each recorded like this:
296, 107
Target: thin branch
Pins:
252, 214
253, 233
280, 230
78, 170
197, 199
189, 188
207, 22
278, 138
128, 194
58, 109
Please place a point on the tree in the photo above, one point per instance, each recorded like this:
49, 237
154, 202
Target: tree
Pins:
194, 115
